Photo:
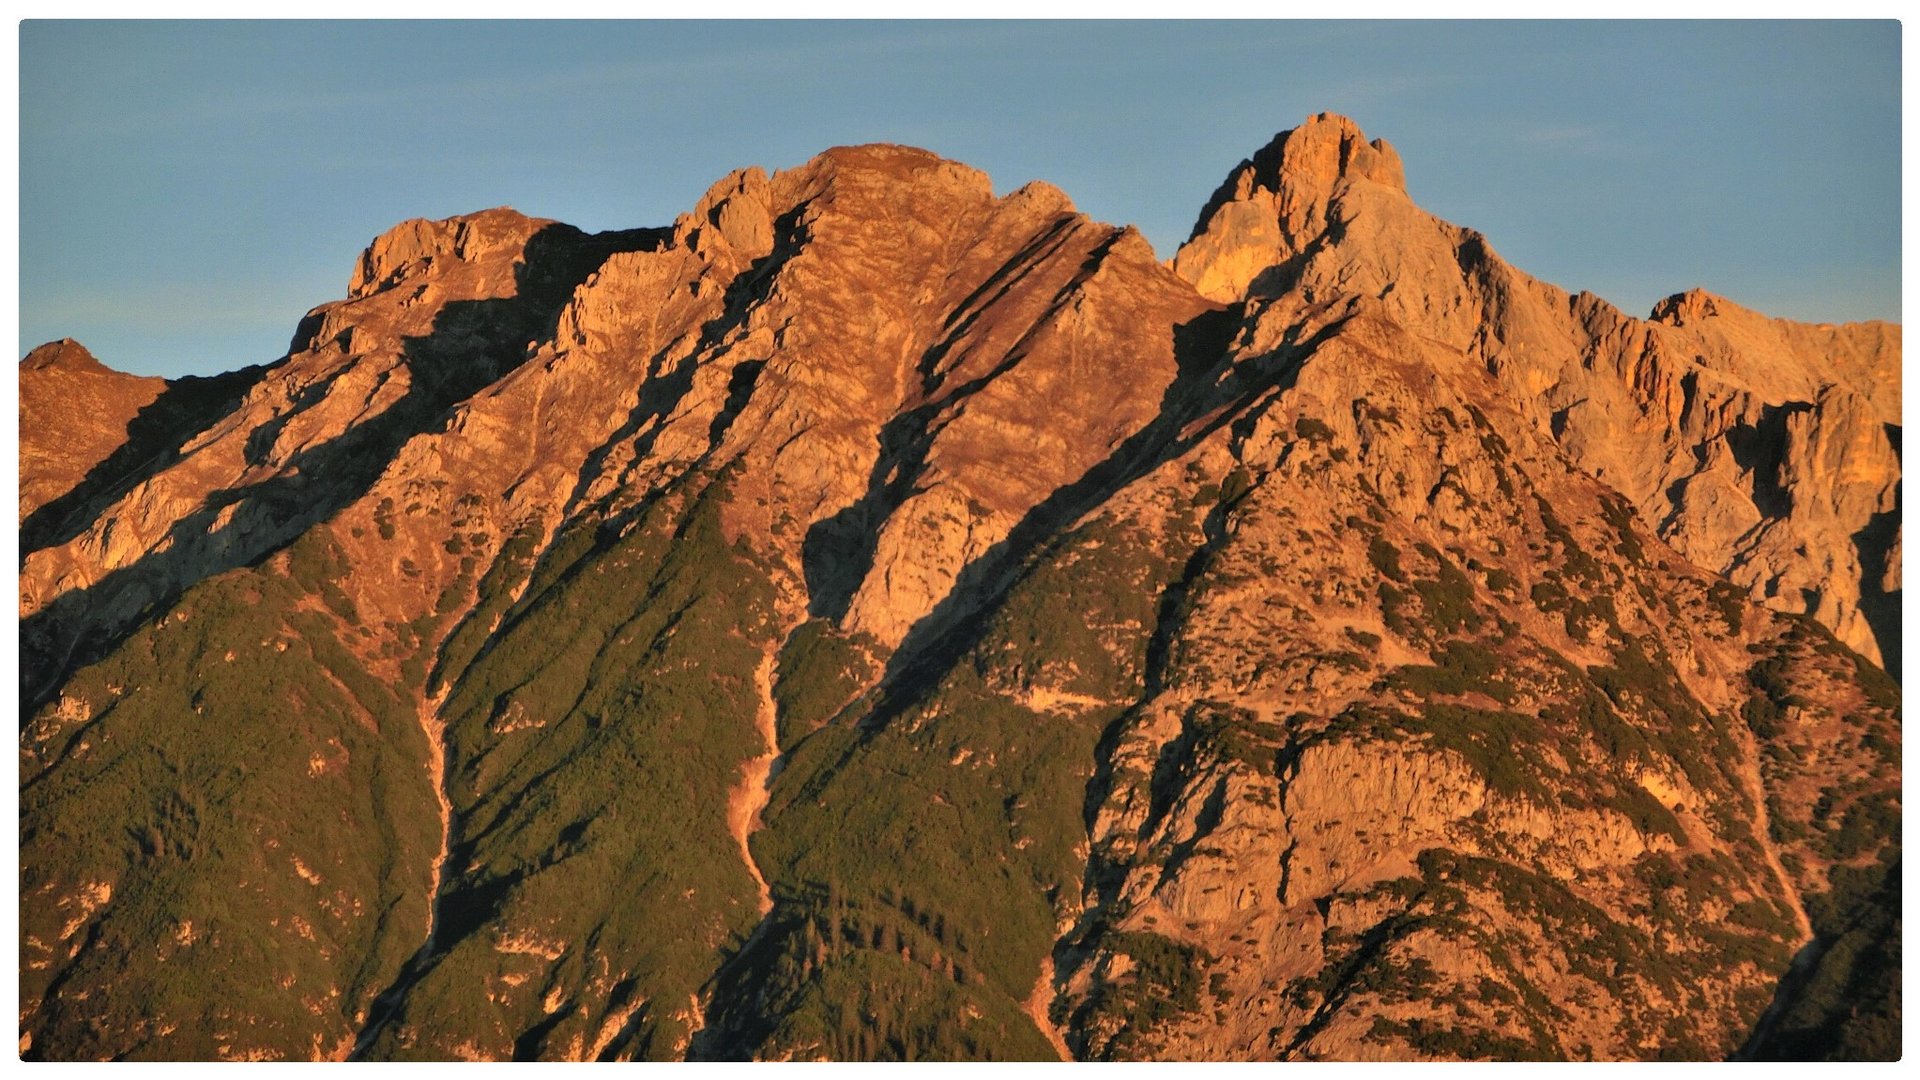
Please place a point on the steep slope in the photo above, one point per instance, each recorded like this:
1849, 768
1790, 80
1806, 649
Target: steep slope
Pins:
1479, 734
282, 448
1150, 675
643, 371
75, 412
1764, 450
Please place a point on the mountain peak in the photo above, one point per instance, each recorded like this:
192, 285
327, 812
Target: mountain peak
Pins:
1308, 162
1034, 656
1318, 155
1684, 307
417, 242
66, 354
903, 169
883, 156
1273, 203
74, 413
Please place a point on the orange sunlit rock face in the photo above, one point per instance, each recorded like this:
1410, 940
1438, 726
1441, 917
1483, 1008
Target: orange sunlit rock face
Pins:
871, 617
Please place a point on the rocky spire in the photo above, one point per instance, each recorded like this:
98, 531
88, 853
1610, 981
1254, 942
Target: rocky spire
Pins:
1273, 204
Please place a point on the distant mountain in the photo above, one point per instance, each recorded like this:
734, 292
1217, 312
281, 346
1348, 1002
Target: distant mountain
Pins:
80, 409
875, 619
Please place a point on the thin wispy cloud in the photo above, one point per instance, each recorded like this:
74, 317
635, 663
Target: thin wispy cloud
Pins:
1592, 140
721, 61
1375, 90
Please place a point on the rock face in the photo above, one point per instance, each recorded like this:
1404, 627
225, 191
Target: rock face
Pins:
1704, 415
74, 413
1333, 644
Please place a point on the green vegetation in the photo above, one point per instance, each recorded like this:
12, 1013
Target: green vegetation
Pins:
1229, 733
1619, 514
1393, 610
1580, 609
1807, 634
1377, 968
1460, 667
1847, 1008
1164, 984
1730, 603
1109, 577
1577, 564
1365, 639
1438, 1039
1869, 821
925, 837
1385, 558
868, 1004
1493, 743
973, 800
1646, 813
932, 832
510, 568
200, 729
1312, 430
822, 669
1449, 598
1620, 955
1236, 485
630, 654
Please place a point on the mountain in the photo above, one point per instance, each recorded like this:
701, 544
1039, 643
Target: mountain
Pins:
876, 618
81, 410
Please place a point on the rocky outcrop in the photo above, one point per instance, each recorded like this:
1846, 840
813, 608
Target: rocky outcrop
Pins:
251, 461
1686, 413
74, 413
1277, 654
1449, 756
1274, 207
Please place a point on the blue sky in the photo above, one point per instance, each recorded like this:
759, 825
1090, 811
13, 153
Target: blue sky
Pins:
188, 190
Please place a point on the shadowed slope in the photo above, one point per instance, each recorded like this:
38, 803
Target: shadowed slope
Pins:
1276, 675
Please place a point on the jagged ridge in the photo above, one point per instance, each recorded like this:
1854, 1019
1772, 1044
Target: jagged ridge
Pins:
1332, 734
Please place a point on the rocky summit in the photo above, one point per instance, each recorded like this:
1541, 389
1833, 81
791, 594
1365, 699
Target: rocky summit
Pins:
873, 617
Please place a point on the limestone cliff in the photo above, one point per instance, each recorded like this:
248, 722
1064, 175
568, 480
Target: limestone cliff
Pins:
74, 413
1284, 653
1765, 450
